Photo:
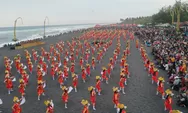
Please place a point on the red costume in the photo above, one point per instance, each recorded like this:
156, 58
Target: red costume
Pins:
88, 70
83, 74
65, 62
52, 71
49, 109
40, 89
116, 98
65, 71
72, 68
60, 78
122, 82
168, 103
151, 70
75, 82
81, 62
155, 76
22, 88
25, 78
93, 97
93, 62
30, 66
16, 108
98, 85
104, 75
44, 67
160, 88
122, 63
9, 84
65, 96
109, 69
85, 110
35, 56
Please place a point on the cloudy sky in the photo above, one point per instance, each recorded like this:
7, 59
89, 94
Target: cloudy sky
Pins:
33, 12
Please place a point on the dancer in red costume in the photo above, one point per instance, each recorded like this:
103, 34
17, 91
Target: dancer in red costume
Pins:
8, 82
168, 100
50, 106
86, 106
60, 78
53, 72
88, 70
75, 81
160, 87
65, 95
98, 84
40, 89
109, 70
93, 63
81, 62
72, 69
83, 74
126, 69
122, 82
103, 73
155, 75
22, 87
16, 108
115, 96
91, 89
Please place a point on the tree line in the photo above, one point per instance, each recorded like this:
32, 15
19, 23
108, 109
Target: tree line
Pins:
169, 14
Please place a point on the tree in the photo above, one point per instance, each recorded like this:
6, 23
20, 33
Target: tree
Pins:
121, 19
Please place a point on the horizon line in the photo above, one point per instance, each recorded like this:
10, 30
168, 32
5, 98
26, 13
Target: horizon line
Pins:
53, 25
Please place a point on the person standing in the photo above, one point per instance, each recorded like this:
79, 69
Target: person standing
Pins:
160, 87
65, 95
86, 105
50, 106
168, 100
16, 108
115, 96
91, 89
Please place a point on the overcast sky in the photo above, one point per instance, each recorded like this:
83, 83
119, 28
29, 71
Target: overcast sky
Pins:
33, 12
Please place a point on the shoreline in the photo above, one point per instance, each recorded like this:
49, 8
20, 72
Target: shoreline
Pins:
47, 36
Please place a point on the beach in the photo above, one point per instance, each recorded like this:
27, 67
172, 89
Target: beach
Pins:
140, 94
24, 33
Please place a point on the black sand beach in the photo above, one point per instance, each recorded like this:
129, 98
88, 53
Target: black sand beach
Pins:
140, 94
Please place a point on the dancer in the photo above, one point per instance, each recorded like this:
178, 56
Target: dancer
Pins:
121, 108
86, 106
50, 106
65, 95
122, 82
103, 73
40, 89
91, 89
168, 100
98, 84
16, 108
115, 96
160, 87
75, 81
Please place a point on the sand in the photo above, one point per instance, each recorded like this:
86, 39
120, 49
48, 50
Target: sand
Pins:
140, 94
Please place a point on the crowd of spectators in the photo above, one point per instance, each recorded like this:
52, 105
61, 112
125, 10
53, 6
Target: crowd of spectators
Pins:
170, 50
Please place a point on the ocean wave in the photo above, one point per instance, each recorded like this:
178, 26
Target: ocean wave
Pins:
49, 32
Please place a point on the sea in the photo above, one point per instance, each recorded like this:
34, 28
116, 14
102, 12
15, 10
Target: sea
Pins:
33, 32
